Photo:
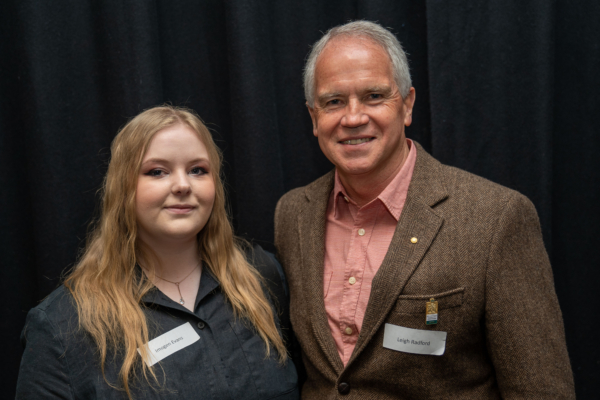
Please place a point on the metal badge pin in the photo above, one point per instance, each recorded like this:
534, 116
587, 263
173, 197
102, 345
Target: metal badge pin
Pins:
431, 315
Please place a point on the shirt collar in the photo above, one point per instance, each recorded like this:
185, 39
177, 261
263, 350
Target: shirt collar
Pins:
339, 194
393, 196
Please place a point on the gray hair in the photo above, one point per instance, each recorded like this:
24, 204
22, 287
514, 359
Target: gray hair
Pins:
369, 30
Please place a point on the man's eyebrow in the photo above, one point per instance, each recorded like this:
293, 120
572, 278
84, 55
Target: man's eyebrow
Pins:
385, 89
326, 96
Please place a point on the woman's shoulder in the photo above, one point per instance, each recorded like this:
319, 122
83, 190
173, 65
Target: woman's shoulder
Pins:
269, 268
55, 350
58, 308
276, 286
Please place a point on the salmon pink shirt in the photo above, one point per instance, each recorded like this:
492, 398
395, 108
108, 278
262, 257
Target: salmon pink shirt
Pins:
356, 241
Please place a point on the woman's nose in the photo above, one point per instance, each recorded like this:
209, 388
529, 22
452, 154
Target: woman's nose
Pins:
181, 184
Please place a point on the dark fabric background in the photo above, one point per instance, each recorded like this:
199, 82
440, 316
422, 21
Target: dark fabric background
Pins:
505, 89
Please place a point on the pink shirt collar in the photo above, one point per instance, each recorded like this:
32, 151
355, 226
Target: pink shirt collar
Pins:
394, 195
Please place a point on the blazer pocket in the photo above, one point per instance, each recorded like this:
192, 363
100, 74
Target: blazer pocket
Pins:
415, 304
410, 310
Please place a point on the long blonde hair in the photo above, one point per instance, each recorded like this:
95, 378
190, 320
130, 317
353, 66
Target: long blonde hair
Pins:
105, 284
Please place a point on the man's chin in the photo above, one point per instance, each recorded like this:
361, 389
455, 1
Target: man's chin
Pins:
354, 170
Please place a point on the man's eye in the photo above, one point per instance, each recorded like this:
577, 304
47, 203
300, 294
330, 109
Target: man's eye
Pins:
333, 102
154, 172
198, 171
375, 96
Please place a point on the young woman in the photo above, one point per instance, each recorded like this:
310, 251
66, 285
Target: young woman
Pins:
164, 302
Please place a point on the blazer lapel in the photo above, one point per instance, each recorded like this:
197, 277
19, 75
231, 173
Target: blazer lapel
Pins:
311, 225
417, 220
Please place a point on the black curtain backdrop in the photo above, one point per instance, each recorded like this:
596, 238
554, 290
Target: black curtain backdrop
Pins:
505, 89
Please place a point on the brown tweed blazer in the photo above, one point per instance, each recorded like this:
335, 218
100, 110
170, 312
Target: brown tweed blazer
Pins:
479, 253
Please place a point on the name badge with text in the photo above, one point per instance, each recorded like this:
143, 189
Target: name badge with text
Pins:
415, 341
170, 342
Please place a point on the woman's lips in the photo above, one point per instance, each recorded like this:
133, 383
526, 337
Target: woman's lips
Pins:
179, 209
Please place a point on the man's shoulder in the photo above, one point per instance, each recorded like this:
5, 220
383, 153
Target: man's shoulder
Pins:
458, 182
469, 184
295, 202
300, 195
294, 196
477, 196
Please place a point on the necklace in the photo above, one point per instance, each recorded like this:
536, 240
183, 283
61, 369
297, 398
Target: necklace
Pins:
181, 301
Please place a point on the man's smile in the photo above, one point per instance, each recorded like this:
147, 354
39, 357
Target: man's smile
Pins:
357, 141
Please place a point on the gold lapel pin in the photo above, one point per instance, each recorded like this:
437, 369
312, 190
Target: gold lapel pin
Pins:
414, 240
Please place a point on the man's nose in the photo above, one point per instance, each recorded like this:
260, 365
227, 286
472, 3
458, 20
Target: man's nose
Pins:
355, 115
181, 183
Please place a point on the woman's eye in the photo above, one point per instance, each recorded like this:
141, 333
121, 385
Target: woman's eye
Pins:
198, 171
154, 172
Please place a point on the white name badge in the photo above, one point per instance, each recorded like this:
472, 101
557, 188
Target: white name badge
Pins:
170, 342
415, 341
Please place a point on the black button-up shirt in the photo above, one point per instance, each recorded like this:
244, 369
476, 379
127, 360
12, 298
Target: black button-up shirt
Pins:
227, 362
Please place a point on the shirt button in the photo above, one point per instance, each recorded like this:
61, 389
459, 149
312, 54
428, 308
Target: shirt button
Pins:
201, 325
348, 331
352, 280
361, 232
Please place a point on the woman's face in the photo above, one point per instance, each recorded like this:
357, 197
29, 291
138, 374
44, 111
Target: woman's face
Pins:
175, 189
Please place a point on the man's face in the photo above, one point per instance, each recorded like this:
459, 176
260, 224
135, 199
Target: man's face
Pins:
359, 114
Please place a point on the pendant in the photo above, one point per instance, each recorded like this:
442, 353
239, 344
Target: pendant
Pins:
431, 315
181, 301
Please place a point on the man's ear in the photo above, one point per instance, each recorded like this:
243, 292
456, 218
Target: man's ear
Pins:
313, 116
409, 102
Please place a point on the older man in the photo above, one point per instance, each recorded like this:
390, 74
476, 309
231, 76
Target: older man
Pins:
409, 279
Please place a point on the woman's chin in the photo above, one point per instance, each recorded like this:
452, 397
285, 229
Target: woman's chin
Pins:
170, 237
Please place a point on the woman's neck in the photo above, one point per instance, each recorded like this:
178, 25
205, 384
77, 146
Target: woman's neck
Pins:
173, 261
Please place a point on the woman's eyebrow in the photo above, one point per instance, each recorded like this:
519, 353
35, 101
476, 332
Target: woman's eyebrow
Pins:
165, 161
155, 160
197, 160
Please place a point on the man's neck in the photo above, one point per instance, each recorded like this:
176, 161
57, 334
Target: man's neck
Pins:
362, 189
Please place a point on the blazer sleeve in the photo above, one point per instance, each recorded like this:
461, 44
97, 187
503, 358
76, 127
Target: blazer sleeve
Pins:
524, 326
44, 371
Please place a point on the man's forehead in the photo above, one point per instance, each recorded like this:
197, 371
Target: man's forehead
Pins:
341, 52
350, 59
343, 42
